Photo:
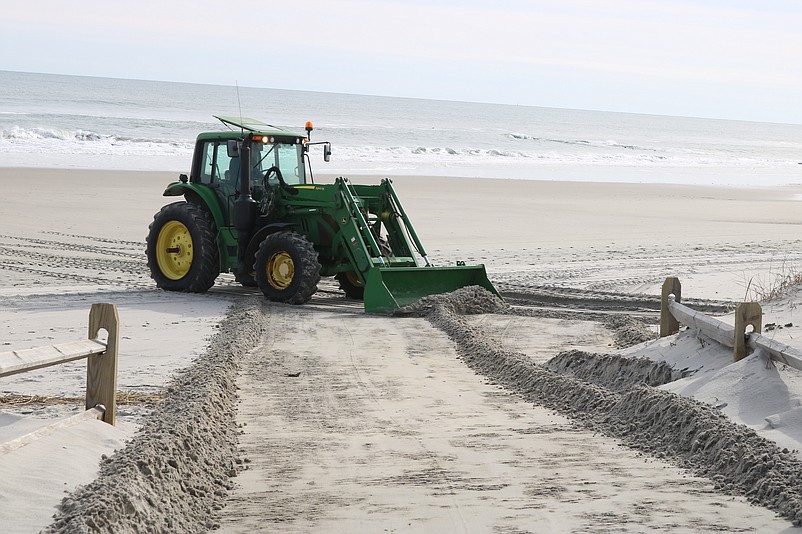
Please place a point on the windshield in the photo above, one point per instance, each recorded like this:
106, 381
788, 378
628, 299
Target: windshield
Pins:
288, 158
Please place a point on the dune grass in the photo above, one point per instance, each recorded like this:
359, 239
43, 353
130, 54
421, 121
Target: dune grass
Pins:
779, 281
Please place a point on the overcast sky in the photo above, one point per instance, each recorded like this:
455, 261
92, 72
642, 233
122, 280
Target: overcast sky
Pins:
736, 59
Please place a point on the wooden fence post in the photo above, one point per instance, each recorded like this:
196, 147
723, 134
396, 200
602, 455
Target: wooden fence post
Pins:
101, 369
668, 324
747, 313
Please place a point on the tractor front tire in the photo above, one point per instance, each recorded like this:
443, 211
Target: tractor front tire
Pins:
182, 248
287, 268
351, 285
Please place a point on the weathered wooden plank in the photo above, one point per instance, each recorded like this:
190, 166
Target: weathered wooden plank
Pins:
94, 413
777, 351
19, 361
713, 328
747, 314
101, 369
668, 323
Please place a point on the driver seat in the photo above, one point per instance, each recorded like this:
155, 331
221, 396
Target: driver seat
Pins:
232, 175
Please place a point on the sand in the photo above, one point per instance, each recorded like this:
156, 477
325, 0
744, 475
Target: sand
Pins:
357, 423
628, 406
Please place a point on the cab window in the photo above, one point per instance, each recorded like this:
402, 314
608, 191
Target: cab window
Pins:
216, 165
291, 163
207, 162
289, 160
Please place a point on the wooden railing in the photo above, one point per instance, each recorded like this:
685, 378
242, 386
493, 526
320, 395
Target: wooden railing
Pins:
673, 313
101, 365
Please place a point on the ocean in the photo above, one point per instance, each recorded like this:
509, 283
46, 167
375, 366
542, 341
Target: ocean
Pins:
83, 122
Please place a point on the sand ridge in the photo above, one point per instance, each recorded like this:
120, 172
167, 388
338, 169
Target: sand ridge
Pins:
174, 474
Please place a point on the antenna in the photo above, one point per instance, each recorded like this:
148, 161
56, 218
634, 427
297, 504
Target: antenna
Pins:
239, 103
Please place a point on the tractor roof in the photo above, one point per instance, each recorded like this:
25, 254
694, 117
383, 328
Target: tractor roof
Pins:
246, 124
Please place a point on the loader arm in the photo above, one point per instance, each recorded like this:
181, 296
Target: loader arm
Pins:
396, 279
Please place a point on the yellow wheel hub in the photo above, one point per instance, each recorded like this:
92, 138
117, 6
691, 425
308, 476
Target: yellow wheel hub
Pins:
174, 250
280, 270
354, 279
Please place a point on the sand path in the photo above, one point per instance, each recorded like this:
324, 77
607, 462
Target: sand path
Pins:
386, 430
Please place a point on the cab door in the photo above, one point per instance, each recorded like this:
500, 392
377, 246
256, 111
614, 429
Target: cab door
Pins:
220, 172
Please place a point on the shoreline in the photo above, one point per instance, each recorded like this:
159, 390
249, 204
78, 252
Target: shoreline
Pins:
646, 176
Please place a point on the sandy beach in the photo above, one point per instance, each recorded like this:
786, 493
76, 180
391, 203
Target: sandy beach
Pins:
327, 419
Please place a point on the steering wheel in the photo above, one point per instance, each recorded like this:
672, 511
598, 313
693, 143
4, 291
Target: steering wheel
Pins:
275, 170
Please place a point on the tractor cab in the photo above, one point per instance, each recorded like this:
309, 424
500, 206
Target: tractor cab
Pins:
275, 155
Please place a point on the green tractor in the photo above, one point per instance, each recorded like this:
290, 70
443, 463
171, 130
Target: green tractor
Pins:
269, 224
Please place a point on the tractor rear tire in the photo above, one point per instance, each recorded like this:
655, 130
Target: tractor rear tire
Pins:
287, 268
182, 248
350, 284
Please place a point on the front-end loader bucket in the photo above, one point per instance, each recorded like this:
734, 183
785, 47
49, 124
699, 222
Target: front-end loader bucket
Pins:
390, 288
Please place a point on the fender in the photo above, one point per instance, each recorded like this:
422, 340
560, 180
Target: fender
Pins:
198, 194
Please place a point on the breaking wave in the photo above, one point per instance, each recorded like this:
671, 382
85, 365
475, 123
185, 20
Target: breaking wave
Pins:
623, 156
92, 148
53, 140
52, 134
579, 142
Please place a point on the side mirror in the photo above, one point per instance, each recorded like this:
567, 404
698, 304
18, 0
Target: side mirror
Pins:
232, 146
327, 152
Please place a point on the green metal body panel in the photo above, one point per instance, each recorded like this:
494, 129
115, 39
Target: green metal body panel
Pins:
177, 189
227, 245
360, 229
